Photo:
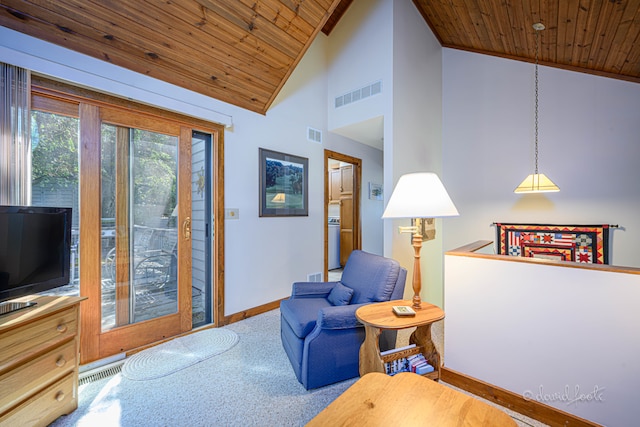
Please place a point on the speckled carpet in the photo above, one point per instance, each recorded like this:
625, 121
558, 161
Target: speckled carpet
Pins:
251, 384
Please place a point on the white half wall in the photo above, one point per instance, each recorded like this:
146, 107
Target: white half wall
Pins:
563, 336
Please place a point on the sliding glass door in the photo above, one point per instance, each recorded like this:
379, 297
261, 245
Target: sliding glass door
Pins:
145, 187
139, 229
145, 230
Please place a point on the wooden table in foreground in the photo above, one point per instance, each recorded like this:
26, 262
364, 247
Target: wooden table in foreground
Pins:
379, 316
407, 399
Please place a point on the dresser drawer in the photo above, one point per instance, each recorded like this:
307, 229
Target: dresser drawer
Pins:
44, 407
22, 381
31, 338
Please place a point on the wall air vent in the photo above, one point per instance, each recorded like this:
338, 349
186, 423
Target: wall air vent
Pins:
314, 135
358, 94
314, 277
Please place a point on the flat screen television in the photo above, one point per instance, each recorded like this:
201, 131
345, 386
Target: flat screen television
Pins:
35, 250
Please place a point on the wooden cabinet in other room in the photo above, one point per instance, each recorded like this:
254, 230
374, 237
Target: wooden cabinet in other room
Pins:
346, 180
334, 185
346, 228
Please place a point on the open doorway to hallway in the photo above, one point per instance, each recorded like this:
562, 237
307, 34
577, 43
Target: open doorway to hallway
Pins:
342, 211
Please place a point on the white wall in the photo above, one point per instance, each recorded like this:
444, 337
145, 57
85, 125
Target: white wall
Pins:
562, 336
263, 255
389, 40
415, 144
588, 144
359, 53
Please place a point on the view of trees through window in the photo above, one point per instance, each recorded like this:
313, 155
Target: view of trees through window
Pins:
54, 141
154, 165
55, 175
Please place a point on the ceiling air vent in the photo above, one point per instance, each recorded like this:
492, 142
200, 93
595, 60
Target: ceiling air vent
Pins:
314, 135
358, 94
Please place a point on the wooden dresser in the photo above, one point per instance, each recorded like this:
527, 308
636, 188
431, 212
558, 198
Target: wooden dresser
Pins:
39, 357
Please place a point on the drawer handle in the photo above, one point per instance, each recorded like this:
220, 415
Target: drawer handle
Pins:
60, 396
60, 362
62, 328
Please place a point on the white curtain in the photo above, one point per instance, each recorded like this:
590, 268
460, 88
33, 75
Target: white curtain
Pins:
15, 142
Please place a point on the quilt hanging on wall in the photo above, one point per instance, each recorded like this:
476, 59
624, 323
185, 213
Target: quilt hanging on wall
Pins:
578, 243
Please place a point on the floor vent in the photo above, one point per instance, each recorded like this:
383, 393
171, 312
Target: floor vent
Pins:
314, 135
358, 94
100, 373
314, 277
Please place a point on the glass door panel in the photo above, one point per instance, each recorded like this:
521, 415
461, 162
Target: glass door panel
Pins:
202, 237
54, 177
139, 225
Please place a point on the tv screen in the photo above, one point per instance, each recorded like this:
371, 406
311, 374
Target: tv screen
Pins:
35, 249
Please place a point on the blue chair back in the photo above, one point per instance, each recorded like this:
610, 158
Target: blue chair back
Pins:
364, 269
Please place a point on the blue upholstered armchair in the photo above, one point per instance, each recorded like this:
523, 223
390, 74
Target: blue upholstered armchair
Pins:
318, 326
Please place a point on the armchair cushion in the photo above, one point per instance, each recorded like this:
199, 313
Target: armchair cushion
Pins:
340, 294
302, 313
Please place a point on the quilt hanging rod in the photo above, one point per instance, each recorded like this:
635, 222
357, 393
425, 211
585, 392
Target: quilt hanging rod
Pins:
605, 225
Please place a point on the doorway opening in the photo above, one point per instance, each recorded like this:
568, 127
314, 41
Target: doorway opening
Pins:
342, 211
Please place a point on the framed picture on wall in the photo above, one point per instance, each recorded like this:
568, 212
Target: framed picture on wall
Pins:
375, 191
284, 184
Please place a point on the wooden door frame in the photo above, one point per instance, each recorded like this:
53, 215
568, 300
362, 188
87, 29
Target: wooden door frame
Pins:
357, 185
64, 99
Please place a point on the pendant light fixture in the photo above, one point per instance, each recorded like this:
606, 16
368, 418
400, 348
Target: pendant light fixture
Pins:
537, 182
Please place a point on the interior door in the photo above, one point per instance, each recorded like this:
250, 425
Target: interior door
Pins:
342, 186
145, 232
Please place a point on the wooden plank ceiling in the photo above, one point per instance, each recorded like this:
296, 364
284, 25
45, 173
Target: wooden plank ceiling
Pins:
594, 36
243, 51
237, 51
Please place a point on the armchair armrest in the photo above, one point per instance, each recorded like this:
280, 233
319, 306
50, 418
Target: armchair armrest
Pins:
311, 289
339, 317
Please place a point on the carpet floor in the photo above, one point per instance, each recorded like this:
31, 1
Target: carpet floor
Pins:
251, 384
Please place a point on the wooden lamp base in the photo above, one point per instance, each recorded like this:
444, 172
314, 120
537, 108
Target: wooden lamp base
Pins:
416, 242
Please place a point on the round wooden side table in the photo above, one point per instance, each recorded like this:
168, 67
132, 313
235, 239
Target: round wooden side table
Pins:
378, 316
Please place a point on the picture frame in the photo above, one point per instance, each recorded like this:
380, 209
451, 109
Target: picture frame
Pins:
375, 191
284, 184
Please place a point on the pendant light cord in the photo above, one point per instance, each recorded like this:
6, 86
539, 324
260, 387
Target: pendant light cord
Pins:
537, 182
536, 107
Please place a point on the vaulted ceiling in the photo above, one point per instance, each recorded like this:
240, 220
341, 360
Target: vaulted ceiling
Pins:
594, 36
243, 51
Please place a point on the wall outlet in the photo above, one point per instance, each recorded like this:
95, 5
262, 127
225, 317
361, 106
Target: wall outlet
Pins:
232, 213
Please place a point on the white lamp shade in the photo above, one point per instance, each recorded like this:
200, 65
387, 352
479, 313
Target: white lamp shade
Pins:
419, 195
536, 183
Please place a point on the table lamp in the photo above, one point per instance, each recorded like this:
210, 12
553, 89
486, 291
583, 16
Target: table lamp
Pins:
418, 195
